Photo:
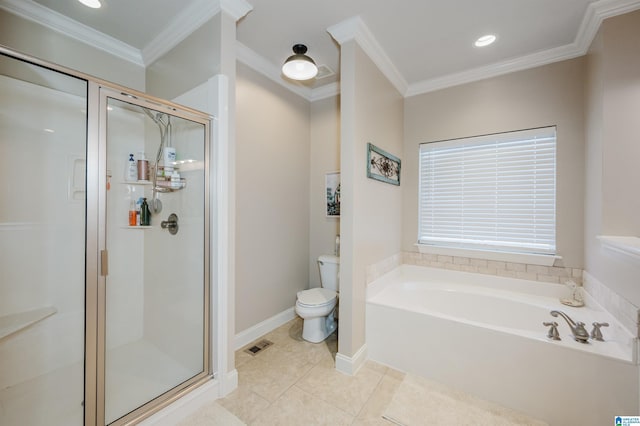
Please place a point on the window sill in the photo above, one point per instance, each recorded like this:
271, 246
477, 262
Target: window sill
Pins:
530, 259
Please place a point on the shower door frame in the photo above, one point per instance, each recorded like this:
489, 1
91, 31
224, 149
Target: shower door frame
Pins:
96, 257
104, 92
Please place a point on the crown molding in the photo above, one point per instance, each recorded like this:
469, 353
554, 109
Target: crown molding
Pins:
325, 91
189, 20
236, 8
59, 23
596, 13
500, 68
355, 29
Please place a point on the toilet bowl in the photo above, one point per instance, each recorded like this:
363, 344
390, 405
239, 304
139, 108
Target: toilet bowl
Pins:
316, 306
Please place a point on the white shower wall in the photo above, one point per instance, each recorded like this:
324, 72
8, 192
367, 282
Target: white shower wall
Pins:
125, 299
147, 272
41, 227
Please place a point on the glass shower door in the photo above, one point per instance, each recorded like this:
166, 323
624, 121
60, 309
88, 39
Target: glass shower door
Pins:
156, 289
43, 143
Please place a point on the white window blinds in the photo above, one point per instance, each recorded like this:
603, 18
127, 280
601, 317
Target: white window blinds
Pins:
495, 192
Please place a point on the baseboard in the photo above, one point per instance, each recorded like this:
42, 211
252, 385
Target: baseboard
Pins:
185, 406
249, 335
351, 365
228, 383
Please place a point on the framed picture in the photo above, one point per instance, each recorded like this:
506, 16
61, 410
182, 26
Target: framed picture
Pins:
332, 194
382, 166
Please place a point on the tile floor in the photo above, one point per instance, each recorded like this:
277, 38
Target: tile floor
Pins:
294, 382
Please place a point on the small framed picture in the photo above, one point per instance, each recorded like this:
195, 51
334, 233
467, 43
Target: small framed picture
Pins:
382, 166
332, 191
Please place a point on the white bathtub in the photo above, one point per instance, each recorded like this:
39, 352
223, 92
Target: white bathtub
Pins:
483, 334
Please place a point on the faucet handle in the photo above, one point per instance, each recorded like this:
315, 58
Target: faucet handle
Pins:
596, 334
553, 331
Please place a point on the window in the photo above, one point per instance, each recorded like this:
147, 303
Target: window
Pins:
494, 192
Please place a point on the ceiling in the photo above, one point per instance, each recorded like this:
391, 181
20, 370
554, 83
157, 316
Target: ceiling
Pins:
426, 44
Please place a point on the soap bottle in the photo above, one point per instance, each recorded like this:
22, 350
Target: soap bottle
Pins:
175, 179
131, 170
169, 159
143, 167
145, 214
132, 213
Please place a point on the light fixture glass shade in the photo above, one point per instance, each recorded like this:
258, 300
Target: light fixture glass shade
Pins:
299, 66
485, 40
94, 4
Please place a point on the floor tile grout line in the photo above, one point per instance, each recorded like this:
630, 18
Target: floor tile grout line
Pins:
326, 402
364, 405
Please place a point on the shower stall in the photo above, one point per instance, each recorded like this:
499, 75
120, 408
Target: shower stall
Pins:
104, 273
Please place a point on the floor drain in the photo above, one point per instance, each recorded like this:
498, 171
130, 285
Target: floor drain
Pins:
258, 347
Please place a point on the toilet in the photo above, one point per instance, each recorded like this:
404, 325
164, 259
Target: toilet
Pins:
316, 306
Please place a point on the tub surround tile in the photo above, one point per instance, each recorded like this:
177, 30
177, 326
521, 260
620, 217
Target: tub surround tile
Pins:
376, 270
624, 311
549, 274
517, 267
527, 276
548, 279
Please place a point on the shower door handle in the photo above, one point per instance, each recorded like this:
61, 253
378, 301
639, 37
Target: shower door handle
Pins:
104, 263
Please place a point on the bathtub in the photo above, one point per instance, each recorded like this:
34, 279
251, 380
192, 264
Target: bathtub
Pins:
483, 334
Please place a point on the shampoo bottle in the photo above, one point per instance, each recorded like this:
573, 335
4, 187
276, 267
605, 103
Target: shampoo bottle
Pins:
145, 214
132, 213
131, 170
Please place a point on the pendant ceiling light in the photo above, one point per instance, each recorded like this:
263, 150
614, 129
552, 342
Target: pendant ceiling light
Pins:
299, 66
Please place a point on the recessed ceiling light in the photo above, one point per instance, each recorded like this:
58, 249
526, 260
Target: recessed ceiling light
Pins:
485, 40
94, 4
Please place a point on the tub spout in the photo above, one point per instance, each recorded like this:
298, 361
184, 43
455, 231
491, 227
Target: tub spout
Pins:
580, 333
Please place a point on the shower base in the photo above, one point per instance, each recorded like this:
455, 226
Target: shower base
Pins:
137, 372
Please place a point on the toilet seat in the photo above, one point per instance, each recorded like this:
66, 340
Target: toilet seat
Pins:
316, 297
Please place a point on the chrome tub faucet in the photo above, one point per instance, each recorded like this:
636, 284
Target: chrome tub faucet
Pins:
580, 334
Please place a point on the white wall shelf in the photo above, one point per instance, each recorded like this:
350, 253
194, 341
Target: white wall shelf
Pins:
629, 246
13, 323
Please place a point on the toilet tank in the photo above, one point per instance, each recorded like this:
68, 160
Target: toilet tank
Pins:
329, 271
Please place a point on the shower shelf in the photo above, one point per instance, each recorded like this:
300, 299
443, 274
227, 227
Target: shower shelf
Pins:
137, 227
13, 323
161, 185
137, 182
168, 186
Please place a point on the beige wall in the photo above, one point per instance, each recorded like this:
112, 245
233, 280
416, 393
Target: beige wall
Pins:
612, 204
370, 223
272, 198
33, 39
325, 158
189, 64
544, 96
